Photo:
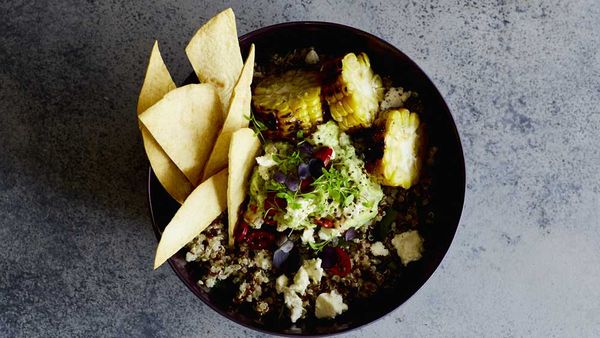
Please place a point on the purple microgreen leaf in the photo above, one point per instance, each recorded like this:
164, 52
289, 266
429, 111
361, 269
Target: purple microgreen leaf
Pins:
303, 171
279, 177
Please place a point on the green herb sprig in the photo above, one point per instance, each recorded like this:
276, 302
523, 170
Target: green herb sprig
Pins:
258, 127
318, 246
337, 186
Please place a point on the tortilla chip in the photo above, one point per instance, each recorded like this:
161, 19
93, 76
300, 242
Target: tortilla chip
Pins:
214, 53
239, 111
169, 176
185, 123
242, 151
157, 83
198, 211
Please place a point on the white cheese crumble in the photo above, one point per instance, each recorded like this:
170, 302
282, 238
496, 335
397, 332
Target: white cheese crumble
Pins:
313, 269
395, 97
294, 303
308, 236
409, 246
301, 281
329, 305
263, 260
265, 165
310, 270
311, 57
378, 249
281, 283
266, 161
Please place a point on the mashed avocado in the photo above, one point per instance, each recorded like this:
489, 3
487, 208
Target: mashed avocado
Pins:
344, 192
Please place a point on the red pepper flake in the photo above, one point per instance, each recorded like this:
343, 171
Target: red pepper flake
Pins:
324, 154
343, 264
305, 185
241, 231
324, 222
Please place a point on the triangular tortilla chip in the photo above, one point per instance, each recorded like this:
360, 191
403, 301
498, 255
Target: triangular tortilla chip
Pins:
239, 111
157, 83
242, 151
214, 53
171, 178
198, 211
185, 123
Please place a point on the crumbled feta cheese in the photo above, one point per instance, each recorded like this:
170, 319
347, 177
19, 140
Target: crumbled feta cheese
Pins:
327, 234
311, 57
409, 246
263, 260
310, 270
313, 269
329, 305
378, 249
281, 283
301, 281
266, 161
294, 303
394, 98
308, 236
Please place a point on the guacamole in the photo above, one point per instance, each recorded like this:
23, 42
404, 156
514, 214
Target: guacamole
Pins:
339, 194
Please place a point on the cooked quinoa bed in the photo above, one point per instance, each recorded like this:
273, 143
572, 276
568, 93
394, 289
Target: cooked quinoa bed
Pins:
325, 227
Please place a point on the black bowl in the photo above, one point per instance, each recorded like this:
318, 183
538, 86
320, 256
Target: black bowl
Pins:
335, 39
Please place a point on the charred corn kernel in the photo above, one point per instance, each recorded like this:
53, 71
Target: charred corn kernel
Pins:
292, 98
403, 139
354, 93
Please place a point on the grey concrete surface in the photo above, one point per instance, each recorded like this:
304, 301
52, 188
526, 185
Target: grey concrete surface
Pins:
522, 79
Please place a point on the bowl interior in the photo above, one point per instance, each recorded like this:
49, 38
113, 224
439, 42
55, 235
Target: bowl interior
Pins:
449, 173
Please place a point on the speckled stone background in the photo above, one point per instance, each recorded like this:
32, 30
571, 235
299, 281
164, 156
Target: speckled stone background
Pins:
522, 79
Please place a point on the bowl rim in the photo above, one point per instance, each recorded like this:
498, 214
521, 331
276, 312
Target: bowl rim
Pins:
460, 157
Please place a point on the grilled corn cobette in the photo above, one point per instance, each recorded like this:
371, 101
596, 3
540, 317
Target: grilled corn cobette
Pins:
403, 140
292, 100
353, 92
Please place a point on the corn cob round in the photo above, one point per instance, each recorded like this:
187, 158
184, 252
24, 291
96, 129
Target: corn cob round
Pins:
354, 93
293, 99
403, 141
